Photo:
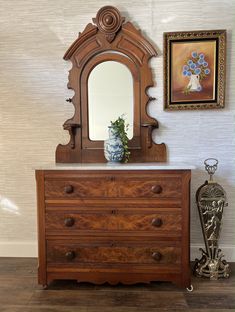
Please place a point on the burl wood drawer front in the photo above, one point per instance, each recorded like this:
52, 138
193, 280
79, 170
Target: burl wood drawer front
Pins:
160, 222
111, 253
116, 185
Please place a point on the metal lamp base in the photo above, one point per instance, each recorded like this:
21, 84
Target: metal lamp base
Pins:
211, 268
211, 200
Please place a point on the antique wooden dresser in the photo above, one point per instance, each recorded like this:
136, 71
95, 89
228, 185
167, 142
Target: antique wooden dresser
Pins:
102, 223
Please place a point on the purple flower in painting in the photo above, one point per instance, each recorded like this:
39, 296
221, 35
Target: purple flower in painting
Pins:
185, 72
205, 64
199, 88
190, 62
207, 71
194, 54
189, 73
201, 56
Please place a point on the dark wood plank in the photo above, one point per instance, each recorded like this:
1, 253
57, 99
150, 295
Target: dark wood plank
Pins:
16, 296
104, 298
104, 309
19, 292
209, 300
12, 267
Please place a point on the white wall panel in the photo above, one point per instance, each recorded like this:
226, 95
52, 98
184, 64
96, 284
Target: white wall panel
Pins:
34, 36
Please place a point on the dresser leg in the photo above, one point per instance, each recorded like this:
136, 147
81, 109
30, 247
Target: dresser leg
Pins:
183, 283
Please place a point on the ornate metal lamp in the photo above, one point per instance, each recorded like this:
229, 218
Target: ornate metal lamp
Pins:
211, 200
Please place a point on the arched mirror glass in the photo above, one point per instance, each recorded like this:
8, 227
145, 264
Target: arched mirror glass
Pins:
110, 95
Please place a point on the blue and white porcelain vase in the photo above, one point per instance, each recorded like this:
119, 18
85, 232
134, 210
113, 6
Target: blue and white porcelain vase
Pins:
113, 147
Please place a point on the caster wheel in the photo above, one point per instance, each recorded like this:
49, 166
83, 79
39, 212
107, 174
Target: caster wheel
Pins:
190, 288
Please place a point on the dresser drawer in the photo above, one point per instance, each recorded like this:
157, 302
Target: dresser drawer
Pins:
142, 220
111, 252
116, 185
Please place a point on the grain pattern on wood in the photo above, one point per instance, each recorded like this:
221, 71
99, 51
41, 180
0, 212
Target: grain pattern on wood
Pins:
42, 278
113, 186
113, 219
58, 253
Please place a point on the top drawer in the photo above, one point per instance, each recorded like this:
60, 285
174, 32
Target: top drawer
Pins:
120, 184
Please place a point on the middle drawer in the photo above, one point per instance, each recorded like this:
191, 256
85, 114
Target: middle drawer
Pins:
162, 222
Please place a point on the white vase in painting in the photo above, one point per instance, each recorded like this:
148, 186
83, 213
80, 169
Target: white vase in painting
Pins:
194, 84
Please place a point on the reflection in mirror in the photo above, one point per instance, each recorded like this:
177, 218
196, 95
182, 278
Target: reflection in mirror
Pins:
110, 95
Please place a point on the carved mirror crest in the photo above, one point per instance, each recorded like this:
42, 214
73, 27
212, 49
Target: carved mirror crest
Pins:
110, 76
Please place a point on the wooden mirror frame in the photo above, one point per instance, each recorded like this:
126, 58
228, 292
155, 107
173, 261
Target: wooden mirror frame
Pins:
111, 39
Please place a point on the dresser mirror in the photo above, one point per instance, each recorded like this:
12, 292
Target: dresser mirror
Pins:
110, 77
109, 98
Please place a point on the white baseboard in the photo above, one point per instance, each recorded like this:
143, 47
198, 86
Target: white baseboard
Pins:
29, 249
19, 249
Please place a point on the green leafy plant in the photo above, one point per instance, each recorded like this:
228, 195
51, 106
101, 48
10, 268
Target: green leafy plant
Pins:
120, 127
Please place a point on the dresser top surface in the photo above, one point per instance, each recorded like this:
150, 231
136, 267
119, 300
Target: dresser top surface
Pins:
117, 166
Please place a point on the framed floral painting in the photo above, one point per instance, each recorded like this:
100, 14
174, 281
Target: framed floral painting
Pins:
194, 69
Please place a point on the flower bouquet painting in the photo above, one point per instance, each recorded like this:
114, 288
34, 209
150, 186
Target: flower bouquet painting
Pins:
194, 68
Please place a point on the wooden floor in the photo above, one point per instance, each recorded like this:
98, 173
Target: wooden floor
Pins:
19, 292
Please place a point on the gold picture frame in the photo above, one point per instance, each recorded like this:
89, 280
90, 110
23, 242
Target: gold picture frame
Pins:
194, 69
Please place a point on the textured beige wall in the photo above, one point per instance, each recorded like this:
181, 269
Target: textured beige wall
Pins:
33, 38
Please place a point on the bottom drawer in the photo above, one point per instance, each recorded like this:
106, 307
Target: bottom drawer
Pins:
104, 252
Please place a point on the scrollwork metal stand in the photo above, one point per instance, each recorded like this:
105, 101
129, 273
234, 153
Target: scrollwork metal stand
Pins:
211, 200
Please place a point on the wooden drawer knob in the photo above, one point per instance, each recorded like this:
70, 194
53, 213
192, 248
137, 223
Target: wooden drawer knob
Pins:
70, 255
69, 222
156, 189
68, 189
157, 222
157, 256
